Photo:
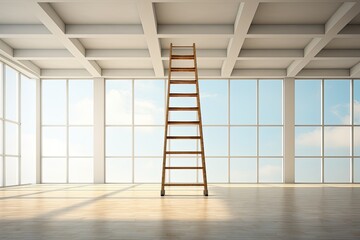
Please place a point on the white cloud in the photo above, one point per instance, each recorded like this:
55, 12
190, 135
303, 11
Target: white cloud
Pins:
270, 172
82, 112
118, 107
335, 137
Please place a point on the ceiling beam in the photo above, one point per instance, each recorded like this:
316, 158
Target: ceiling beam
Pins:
270, 53
42, 54
65, 73
56, 26
103, 30
23, 31
285, 31
200, 53
355, 70
344, 14
195, 30
175, 31
108, 54
148, 21
7, 55
243, 21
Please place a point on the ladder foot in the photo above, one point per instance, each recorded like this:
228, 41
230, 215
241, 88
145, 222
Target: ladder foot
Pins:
162, 193
206, 193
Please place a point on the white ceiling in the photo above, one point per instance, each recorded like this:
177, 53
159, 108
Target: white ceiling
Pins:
125, 38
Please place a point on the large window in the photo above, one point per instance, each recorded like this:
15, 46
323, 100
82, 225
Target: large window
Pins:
242, 122
67, 131
326, 133
17, 127
134, 130
256, 126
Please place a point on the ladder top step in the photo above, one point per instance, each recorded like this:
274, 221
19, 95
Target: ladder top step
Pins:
182, 81
183, 108
183, 94
183, 137
183, 122
183, 69
182, 57
183, 168
182, 46
183, 152
184, 184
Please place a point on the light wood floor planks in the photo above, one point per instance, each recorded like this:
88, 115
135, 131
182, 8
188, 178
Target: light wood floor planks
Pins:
136, 211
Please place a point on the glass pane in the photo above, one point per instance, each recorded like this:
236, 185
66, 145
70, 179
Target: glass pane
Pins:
356, 92
118, 102
81, 141
336, 102
147, 170
81, 170
149, 141
356, 141
28, 130
118, 141
1, 137
336, 170
307, 102
1, 92
149, 102
337, 141
81, 102
242, 170
11, 94
53, 102
270, 101
216, 141
357, 170
307, 141
11, 138
53, 170
243, 101
216, 170
270, 170
1, 172
214, 98
183, 176
118, 170
11, 171
54, 141
270, 141
307, 170
243, 141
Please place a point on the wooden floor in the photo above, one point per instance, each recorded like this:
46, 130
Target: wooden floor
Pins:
137, 211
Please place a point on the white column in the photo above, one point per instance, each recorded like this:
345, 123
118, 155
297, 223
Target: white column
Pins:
289, 130
38, 131
99, 130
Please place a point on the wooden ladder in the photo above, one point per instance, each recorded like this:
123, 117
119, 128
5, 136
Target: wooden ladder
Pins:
194, 81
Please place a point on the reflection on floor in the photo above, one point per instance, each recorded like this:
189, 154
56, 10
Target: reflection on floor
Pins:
116, 211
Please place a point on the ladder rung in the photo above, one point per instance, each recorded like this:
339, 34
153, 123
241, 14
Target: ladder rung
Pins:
182, 46
183, 137
183, 152
182, 81
183, 108
183, 168
184, 184
184, 69
183, 94
183, 122
182, 57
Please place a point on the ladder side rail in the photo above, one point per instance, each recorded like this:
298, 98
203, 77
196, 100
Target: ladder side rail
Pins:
166, 128
200, 124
